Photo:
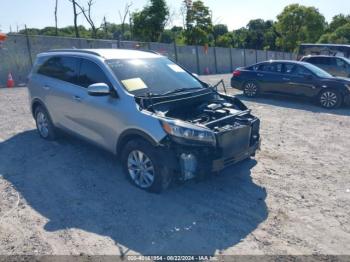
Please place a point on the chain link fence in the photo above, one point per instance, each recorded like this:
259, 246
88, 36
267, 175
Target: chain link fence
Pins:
19, 51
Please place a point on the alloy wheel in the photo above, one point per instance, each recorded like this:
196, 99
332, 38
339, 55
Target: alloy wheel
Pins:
328, 99
250, 89
42, 124
141, 169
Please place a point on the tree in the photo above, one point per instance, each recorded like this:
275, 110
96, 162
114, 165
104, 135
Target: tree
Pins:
124, 16
198, 23
340, 36
338, 21
149, 23
297, 24
219, 30
225, 40
75, 17
87, 14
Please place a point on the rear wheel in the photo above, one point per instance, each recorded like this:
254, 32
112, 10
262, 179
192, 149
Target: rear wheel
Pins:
250, 89
142, 164
330, 99
44, 124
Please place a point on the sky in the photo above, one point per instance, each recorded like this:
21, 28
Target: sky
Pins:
234, 13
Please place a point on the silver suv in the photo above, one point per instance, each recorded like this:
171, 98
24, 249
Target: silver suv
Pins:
336, 66
161, 120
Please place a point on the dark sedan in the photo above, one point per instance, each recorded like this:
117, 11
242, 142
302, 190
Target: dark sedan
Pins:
292, 78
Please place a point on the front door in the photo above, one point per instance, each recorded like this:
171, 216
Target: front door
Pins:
300, 80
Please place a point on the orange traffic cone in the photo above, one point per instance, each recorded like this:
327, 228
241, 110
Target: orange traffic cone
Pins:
10, 81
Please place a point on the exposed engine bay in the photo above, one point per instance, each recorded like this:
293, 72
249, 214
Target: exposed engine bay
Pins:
216, 111
235, 129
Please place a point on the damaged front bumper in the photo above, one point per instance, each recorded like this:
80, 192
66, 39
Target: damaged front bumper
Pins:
191, 161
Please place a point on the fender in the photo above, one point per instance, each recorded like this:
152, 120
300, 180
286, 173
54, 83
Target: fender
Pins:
128, 134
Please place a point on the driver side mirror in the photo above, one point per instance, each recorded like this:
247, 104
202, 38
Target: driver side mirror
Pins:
99, 89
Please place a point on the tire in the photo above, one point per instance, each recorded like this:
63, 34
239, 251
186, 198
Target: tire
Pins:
330, 99
251, 89
153, 176
44, 124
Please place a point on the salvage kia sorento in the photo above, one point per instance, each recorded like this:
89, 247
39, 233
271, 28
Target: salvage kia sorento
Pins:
159, 119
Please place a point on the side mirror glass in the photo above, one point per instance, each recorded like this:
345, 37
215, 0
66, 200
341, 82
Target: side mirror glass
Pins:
99, 89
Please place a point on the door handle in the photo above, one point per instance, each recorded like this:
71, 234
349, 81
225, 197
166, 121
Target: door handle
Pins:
286, 79
46, 87
77, 98
260, 74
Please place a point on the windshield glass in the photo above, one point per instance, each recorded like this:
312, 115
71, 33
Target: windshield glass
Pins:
316, 70
151, 75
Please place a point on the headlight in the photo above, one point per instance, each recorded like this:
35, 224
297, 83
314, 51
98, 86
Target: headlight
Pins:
347, 86
185, 131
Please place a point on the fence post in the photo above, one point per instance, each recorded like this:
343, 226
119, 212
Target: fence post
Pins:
118, 42
256, 56
28, 46
215, 61
231, 63
244, 57
175, 51
197, 60
267, 54
149, 45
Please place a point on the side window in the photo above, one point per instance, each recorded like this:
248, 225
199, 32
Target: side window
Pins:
301, 71
91, 73
340, 62
325, 61
62, 68
289, 68
274, 68
312, 60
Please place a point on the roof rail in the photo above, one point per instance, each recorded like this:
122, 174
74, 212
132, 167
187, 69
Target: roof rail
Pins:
74, 51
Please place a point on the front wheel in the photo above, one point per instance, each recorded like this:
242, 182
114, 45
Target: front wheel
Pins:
330, 99
250, 89
142, 164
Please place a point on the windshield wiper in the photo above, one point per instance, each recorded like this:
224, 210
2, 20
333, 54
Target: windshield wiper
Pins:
179, 90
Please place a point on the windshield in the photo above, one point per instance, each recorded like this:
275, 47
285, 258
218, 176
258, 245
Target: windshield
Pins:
316, 70
152, 75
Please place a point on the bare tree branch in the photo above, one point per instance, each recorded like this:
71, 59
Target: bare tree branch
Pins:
88, 17
124, 16
74, 3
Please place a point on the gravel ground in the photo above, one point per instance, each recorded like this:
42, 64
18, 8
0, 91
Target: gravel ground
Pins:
68, 197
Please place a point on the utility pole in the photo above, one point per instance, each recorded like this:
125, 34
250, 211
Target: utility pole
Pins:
56, 29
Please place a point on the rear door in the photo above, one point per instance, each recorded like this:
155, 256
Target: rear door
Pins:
60, 78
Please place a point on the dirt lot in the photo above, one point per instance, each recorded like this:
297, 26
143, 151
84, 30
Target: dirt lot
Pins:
68, 197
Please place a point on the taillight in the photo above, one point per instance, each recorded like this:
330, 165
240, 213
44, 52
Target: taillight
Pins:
236, 73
